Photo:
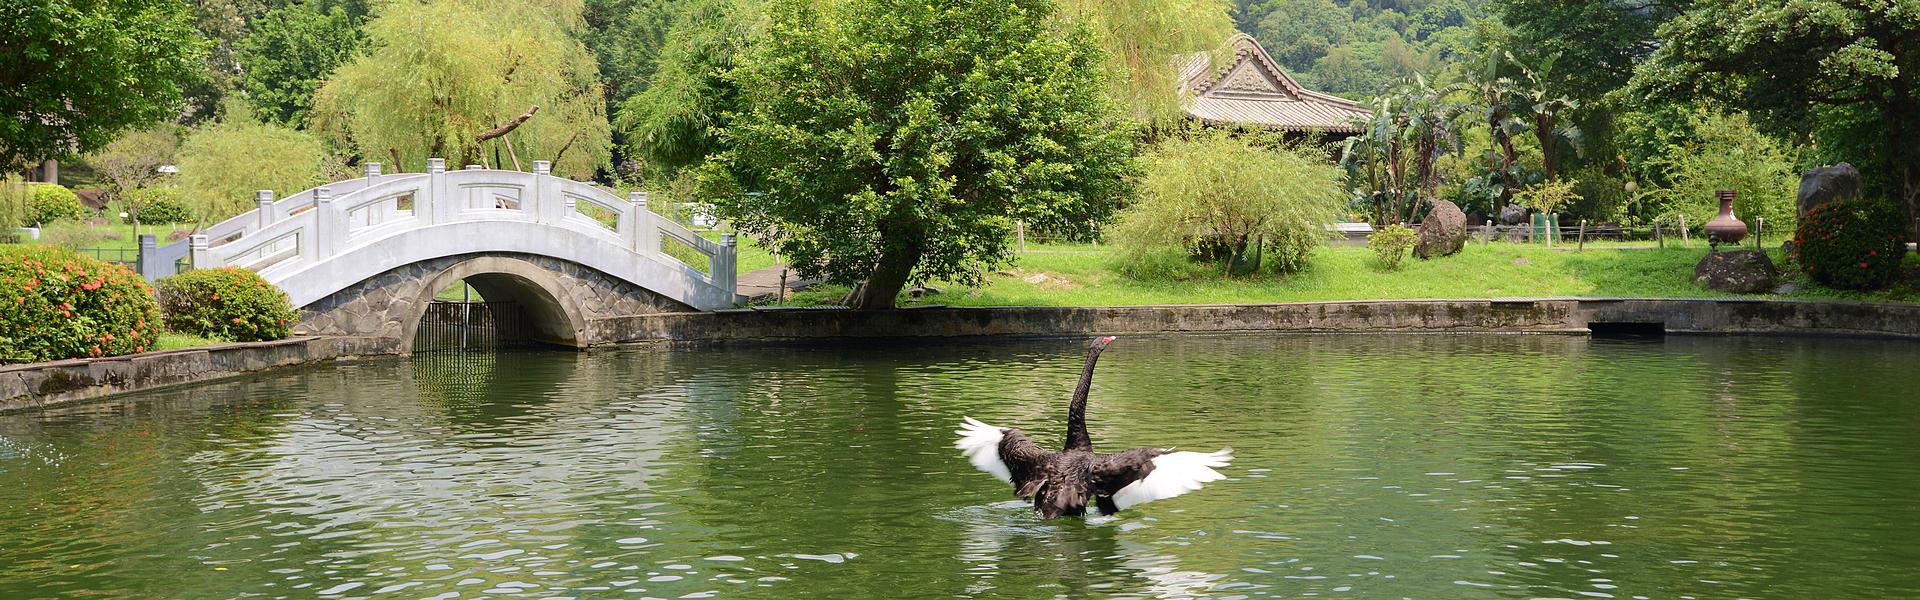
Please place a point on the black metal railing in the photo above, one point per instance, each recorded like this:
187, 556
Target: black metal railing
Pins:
471, 327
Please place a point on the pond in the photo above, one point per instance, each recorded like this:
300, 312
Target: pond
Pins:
1366, 467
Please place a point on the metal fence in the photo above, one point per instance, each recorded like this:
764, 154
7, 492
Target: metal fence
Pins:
471, 327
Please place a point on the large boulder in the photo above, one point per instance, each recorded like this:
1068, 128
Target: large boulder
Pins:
1737, 271
1443, 232
1513, 214
1828, 184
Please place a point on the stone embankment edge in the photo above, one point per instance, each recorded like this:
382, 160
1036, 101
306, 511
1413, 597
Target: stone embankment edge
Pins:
1520, 315
34, 385
42, 384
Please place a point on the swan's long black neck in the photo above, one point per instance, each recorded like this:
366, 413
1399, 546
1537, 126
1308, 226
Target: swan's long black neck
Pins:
1077, 437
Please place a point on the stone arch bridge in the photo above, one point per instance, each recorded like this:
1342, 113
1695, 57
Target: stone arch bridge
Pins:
364, 257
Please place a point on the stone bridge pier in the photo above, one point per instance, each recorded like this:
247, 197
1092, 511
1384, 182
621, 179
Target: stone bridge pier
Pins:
562, 300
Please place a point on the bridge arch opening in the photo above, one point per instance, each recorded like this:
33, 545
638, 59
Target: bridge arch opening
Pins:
532, 303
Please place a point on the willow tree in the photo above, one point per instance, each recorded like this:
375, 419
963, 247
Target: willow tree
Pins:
899, 140
488, 82
1142, 39
223, 163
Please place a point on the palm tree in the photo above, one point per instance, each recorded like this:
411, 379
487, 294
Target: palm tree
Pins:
1547, 114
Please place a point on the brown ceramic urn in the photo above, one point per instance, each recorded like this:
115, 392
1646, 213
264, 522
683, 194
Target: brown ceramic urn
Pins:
1726, 229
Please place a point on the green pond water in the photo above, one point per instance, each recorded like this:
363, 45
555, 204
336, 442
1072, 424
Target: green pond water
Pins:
1367, 467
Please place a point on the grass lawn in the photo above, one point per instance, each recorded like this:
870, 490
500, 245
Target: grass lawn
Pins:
1076, 275
174, 341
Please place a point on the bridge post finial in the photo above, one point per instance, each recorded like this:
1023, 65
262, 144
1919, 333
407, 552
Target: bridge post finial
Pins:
728, 240
436, 165
639, 199
263, 208
197, 250
542, 167
373, 169
326, 231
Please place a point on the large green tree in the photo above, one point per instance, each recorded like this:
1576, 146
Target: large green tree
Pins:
899, 140
446, 78
1844, 70
675, 121
78, 72
1142, 37
291, 51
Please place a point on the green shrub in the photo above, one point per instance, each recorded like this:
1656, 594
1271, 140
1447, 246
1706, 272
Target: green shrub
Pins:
229, 303
52, 203
1391, 244
1221, 194
158, 205
59, 304
69, 234
16, 202
1851, 245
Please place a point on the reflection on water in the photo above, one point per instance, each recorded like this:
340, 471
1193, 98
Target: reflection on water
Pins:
1378, 466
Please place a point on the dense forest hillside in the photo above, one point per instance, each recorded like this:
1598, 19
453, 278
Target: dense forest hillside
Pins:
1361, 48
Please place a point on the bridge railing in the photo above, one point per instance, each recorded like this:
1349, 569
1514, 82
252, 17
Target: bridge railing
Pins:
317, 224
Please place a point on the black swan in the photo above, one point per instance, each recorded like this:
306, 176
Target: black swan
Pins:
1060, 483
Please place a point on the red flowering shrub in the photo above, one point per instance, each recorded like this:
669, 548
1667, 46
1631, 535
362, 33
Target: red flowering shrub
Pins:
1853, 245
57, 304
228, 303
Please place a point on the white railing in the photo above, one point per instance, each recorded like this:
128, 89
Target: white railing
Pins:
440, 208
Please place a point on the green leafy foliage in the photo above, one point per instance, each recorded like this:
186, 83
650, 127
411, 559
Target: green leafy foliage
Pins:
1857, 244
79, 72
133, 160
1838, 69
1213, 187
469, 67
290, 52
1362, 48
157, 205
1392, 243
16, 202
223, 164
60, 305
1549, 196
228, 303
676, 121
54, 203
895, 140
1140, 35
1726, 152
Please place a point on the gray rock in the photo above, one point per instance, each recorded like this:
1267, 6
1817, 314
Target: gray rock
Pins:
1512, 215
1828, 184
1786, 289
1522, 261
1737, 271
1443, 232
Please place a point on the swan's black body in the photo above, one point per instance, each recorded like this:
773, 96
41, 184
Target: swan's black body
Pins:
1062, 483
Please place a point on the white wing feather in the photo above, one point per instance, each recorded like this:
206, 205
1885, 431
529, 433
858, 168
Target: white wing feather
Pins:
981, 443
1173, 474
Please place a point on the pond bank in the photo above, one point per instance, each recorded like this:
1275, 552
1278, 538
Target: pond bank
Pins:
35, 385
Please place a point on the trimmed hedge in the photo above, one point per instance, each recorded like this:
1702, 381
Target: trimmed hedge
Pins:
53, 202
228, 303
57, 304
1852, 245
159, 205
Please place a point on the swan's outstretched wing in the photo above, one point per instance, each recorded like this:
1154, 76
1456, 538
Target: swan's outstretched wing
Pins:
1004, 452
1147, 474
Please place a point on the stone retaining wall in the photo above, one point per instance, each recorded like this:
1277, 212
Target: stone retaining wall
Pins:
40, 384
1552, 315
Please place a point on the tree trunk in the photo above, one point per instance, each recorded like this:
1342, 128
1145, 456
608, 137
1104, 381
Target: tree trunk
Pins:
889, 276
1543, 131
1508, 156
1902, 135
